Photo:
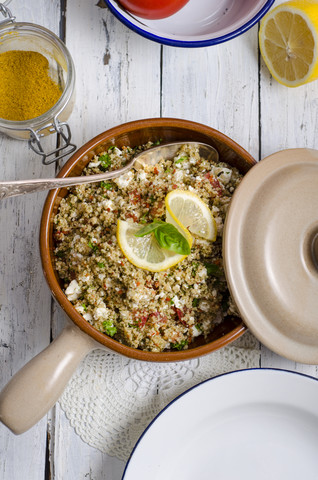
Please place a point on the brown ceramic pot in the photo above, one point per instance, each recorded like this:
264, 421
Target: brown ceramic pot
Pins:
52, 368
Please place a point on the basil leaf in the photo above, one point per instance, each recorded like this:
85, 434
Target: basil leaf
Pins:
149, 228
169, 237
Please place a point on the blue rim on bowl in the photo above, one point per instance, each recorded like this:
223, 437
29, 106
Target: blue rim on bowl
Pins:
138, 26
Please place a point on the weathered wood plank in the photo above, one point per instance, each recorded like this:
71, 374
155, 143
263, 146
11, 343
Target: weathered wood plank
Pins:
24, 297
217, 86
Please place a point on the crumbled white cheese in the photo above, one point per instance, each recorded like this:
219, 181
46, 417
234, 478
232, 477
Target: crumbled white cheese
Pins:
94, 164
88, 317
80, 309
117, 152
204, 305
177, 302
100, 313
195, 332
223, 174
202, 272
142, 175
178, 175
86, 278
124, 180
108, 204
73, 291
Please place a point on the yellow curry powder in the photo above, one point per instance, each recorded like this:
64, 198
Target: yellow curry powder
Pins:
26, 89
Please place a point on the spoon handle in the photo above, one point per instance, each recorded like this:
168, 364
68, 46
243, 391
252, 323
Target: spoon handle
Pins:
22, 187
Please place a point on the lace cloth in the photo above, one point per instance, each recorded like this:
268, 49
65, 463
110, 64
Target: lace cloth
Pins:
110, 399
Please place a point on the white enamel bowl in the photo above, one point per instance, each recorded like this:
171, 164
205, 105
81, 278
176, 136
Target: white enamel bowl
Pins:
199, 23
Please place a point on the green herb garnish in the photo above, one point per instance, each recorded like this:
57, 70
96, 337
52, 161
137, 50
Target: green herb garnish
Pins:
195, 266
181, 159
109, 328
93, 246
195, 302
143, 218
105, 161
85, 307
213, 269
101, 265
179, 346
167, 235
106, 185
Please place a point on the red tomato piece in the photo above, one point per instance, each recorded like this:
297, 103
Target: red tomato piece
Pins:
153, 9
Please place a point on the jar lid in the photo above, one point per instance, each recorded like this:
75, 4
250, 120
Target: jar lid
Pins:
271, 252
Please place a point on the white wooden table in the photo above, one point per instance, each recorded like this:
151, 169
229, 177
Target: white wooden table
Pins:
121, 77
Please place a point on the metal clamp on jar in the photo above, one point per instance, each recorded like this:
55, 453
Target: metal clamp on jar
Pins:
16, 36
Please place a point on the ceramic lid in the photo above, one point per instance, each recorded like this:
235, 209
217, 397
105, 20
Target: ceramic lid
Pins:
271, 252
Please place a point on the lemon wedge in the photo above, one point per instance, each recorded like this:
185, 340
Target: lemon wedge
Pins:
288, 39
187, 210
145, 252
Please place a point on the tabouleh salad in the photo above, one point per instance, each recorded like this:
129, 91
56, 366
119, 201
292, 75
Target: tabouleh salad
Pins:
153, 311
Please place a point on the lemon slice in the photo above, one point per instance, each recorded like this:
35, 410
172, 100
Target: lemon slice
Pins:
145, 252
288, 40
187, 210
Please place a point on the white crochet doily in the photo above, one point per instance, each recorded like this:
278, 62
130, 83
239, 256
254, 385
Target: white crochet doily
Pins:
110, 399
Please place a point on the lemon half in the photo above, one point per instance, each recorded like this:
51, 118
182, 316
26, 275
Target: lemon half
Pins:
145, 252
188, 211
288, 40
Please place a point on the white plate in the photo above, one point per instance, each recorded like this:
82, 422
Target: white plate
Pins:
252, 424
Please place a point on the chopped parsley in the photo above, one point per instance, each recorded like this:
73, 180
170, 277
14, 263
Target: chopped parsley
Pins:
213, 269
179, 346
195, 266
93, 246
109, 328
181, 159
101, 265
106, 185
195, 302
105, 161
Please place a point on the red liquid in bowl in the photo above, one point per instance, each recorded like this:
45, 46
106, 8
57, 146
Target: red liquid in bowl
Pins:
153, 9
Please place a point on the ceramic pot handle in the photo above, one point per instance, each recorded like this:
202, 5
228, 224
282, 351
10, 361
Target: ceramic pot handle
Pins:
37, 386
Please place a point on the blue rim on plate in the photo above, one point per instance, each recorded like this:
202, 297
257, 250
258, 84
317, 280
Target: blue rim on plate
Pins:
191, 44
268, 369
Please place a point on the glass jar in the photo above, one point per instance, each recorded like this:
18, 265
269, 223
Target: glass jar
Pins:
31, 37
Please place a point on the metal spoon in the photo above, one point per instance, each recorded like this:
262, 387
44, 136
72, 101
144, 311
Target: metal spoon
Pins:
148, 157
